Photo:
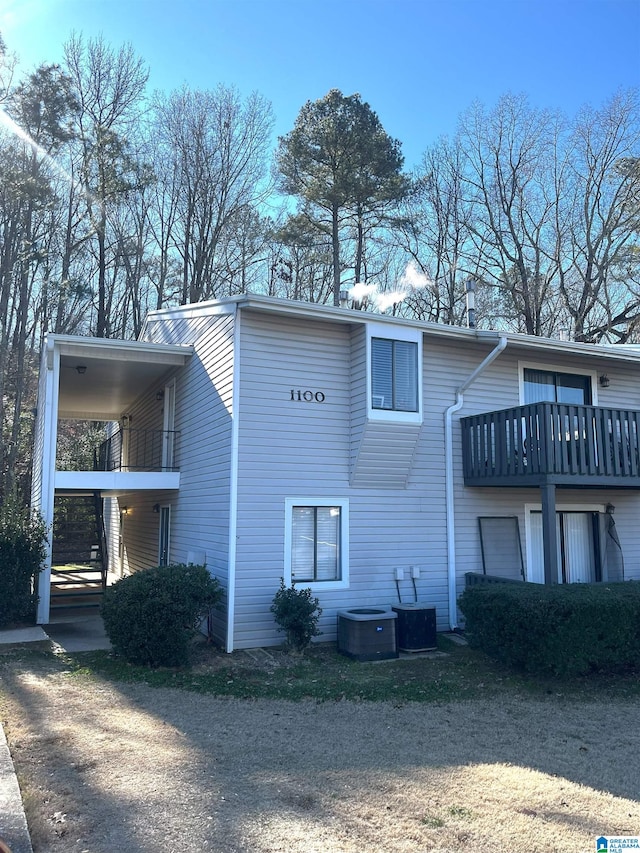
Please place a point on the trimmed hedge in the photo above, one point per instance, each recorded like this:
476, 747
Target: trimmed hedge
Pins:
560, 630
22, 552
151, 616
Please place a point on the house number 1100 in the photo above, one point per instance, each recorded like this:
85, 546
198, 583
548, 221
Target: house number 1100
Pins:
298, 396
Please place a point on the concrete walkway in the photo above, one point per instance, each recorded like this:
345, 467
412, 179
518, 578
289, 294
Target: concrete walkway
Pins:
79, 633
73, 633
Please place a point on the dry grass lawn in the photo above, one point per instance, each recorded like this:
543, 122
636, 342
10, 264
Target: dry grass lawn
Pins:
125, 767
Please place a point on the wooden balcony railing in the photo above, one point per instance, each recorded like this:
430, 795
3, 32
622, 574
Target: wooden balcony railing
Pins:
138, 450
552, 443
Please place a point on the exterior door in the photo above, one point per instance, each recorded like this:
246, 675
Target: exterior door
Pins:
168, 426
577, 547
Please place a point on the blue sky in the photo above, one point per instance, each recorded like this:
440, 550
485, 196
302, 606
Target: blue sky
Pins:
418, 63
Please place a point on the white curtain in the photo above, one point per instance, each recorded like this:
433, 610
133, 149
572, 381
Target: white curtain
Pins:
539, 386
575, 537
578, 545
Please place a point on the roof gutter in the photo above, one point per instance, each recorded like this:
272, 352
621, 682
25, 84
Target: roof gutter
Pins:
449, 498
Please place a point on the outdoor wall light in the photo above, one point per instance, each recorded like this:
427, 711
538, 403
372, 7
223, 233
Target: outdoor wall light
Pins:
604, 380
125, 510
81, 368
156, 507
160, 395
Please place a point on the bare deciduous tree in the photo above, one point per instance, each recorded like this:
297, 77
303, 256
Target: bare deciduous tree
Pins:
212, 171
109, 86
603, 221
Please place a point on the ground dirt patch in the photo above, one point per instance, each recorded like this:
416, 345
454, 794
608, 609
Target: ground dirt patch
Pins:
110, 766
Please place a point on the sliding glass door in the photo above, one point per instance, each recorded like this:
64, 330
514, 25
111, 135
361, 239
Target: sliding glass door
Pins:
577, 534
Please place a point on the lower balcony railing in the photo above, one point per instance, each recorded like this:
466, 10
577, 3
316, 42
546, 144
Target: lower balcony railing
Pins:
138, 450
552, 442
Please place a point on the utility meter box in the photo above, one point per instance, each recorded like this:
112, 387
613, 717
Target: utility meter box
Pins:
415, 627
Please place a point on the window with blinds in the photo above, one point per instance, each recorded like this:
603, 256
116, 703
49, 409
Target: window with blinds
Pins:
394, 375
315, 543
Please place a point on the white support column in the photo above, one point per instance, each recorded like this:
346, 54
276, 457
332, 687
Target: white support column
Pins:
49, 409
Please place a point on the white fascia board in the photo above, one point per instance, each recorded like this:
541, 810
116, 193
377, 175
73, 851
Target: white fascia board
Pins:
120, 350
116, 481
186, 312
610, 352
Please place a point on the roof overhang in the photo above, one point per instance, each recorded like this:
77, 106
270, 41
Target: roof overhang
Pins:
314, 311
112, 374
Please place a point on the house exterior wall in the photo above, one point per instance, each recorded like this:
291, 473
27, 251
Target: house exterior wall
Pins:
200, 511
308, 449
249, 442
305, 449
498, 388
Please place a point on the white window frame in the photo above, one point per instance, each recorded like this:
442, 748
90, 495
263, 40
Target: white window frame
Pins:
530, 508
557, 368
414, 336
317, 586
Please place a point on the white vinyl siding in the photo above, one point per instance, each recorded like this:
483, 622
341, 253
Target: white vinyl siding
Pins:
285, 445
200, 511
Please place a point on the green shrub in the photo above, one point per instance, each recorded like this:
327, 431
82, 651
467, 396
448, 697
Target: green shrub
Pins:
297, 613
562, 630
22, 552
151, 616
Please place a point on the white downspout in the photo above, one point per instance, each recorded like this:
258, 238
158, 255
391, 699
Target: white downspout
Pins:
448, 474
233, 482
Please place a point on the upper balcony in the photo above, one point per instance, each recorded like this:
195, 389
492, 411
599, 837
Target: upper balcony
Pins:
93, 381
552, 444
130, 449
127, 459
